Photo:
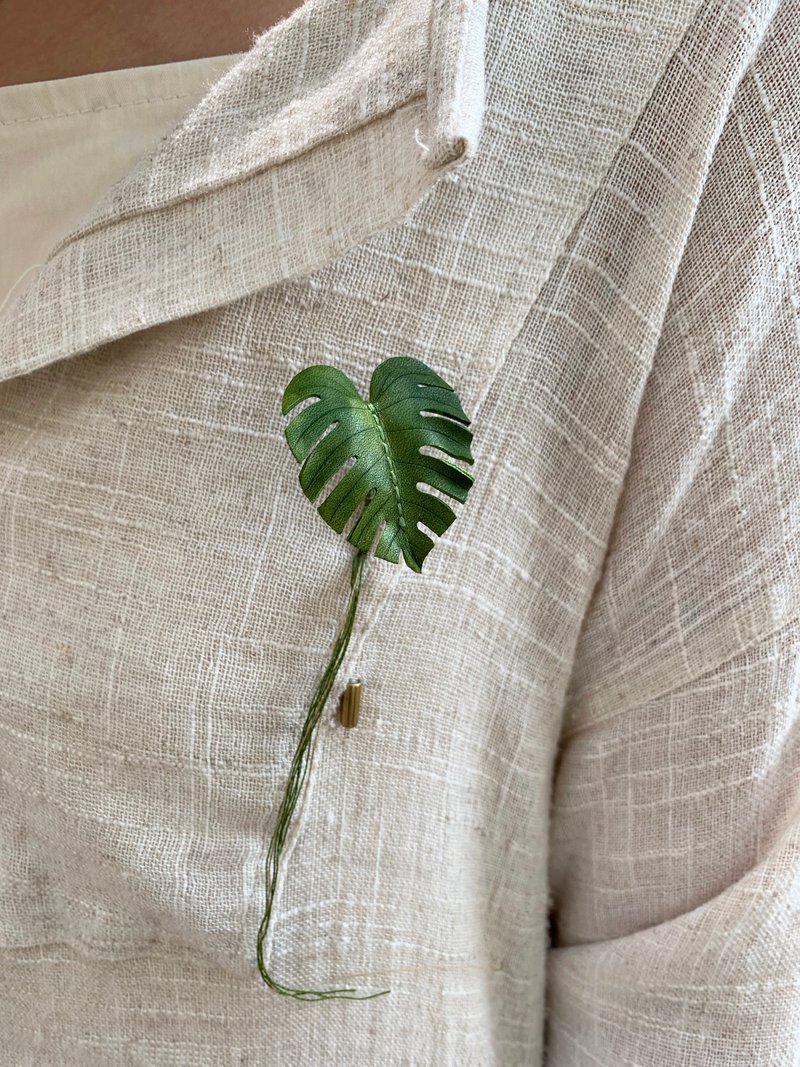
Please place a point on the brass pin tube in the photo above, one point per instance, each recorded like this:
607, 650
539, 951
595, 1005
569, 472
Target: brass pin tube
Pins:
350, 705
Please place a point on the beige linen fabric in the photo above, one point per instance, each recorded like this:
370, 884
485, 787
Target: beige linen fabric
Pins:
585, 217
64, 143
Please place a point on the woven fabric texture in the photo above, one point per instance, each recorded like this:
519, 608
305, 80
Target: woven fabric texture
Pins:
567, 828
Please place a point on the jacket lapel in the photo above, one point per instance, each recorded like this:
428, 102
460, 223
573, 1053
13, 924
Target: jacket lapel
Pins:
285, 164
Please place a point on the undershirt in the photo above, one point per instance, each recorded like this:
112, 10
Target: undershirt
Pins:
65, 143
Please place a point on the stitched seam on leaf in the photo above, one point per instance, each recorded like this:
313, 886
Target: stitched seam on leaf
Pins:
392, 471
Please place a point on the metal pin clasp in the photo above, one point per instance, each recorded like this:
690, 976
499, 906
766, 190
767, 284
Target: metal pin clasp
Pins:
350, 704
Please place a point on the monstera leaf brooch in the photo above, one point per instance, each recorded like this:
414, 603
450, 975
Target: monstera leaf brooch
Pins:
409, 407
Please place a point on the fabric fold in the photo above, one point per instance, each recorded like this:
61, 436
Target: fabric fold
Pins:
713, 985
340, 147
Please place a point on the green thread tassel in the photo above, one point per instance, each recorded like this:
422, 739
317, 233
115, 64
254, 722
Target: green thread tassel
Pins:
294, 789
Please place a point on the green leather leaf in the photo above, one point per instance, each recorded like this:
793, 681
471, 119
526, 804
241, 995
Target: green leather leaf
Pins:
409, 407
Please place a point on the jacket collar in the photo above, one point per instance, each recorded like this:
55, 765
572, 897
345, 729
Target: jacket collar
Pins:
281, 168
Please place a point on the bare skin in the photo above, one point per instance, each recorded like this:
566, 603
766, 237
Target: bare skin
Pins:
40, 41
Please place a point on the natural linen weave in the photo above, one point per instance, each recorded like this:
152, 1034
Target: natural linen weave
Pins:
567, 827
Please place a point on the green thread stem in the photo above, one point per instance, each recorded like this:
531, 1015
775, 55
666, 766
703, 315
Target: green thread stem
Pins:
294, 789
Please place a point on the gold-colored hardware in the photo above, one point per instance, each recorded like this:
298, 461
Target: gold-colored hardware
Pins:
350, 704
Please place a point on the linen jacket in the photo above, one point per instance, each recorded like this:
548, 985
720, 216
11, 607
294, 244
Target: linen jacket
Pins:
566, 828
